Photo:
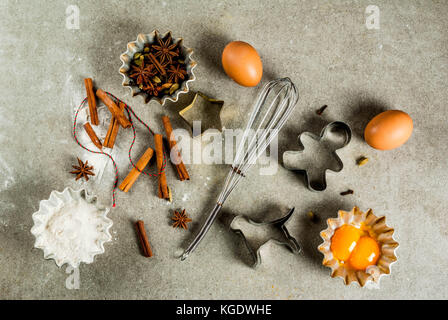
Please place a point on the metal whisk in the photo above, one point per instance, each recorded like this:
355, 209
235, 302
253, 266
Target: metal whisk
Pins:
271, 110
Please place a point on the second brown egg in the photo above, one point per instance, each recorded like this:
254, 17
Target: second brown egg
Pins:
388, 130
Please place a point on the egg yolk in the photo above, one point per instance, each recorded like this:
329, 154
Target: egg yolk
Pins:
344, 241
350, 245
366, 253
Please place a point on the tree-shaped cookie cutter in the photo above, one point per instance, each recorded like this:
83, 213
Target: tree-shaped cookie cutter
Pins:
292, 159
287, 240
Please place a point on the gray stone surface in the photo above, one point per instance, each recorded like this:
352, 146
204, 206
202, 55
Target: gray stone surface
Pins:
326, 49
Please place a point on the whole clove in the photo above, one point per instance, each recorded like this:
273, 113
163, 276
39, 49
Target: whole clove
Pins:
345, 193
321, 110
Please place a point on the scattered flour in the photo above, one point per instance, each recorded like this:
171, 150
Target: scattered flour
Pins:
6, 175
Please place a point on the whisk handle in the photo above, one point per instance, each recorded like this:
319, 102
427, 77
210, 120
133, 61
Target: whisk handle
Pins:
207, 224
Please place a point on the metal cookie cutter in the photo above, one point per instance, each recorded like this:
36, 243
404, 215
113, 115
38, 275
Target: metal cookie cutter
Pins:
204, 109
285, 239
336, 135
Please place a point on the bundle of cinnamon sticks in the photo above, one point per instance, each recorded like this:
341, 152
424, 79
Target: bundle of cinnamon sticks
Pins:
174, 152
163, 190
118, 116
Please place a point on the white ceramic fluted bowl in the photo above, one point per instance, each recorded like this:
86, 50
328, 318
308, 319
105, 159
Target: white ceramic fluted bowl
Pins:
57, 201
138, 46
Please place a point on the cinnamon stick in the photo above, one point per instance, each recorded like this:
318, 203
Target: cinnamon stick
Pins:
92, 101
157, 64
135, 173
163, 192
112, 132
141, 234
92, 135
174, 152
113, 108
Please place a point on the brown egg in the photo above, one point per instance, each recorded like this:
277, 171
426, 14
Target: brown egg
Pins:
388, 130
242, 63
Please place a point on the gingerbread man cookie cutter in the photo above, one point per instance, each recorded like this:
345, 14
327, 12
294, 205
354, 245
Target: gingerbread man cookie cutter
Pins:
334, 136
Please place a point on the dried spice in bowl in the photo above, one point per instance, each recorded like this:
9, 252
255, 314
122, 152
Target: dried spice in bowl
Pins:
160, 68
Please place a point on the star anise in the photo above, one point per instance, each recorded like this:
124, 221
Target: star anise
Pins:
180, 219
83, 170
176, 73
143, 73
166, 50
151, 89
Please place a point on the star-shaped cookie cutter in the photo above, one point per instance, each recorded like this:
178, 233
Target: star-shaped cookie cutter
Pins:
291, 158
289, 241
202, 108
